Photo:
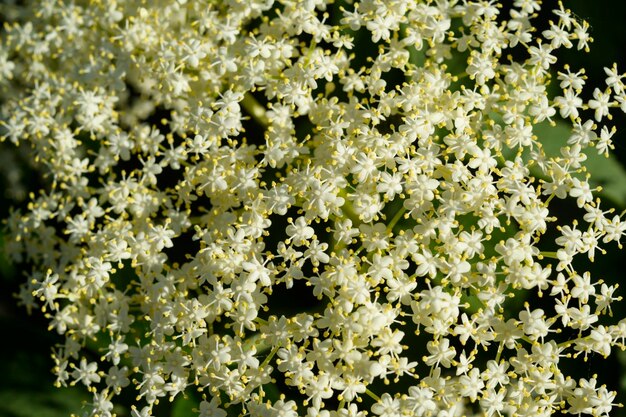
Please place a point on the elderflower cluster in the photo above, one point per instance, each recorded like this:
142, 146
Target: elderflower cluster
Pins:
204, 161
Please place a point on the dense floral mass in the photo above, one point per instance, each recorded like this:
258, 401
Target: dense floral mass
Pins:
205, 160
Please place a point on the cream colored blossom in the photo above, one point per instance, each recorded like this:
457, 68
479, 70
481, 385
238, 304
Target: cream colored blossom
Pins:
202, 159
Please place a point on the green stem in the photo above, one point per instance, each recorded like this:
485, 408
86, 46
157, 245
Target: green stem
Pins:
372, 395
396, 218
568, 343
500, 349
269, 357
255, 109
347, 208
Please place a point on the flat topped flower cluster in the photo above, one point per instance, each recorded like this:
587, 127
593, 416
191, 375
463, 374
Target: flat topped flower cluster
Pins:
204, 158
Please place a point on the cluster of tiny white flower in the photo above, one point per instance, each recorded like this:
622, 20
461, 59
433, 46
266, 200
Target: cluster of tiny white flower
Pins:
200, 155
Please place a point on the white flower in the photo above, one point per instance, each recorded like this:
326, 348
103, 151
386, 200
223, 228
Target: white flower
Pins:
299, 231
87, 373
568, 104
201, 172
600, 103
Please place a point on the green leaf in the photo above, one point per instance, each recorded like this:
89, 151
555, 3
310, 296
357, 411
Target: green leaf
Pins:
28, 403
605, 172
184, 406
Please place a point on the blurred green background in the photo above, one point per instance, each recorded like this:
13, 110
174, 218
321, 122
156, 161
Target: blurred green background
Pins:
26, 386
